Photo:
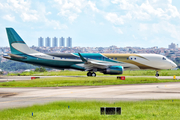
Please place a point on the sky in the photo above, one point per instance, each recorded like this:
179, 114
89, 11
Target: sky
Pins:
93, 23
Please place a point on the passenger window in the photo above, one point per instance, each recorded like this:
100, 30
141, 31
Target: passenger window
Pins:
164, 58
131, 58
111, 58
135, 58
127, 58
116, 58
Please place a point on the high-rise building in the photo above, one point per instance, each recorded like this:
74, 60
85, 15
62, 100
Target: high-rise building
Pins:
69, 42
54, 42
40, 42
62, 42
48, 42
173, 46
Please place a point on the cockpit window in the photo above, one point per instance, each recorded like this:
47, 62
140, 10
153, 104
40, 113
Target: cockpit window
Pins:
164, 58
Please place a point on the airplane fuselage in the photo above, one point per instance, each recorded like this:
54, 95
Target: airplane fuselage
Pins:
73, 61
106, 63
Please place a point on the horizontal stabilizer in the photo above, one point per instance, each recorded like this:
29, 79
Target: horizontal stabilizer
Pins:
16, 56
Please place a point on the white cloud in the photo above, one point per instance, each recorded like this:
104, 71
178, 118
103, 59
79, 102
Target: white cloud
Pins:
113, 17
9, 18
124, 4
1, 6
55, 24
134, 36
118, 30
21, 8
29, 17
160, 32
48, 13
143, 27
143, 10
73, 17
168, 28
50, 23
174, 11
93, 6
105, 3
24, 10
165, 10
70, 8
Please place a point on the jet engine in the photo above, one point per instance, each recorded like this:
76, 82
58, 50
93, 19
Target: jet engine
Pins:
114, 70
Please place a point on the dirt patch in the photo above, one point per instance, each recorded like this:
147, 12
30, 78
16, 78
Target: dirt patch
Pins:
2, 95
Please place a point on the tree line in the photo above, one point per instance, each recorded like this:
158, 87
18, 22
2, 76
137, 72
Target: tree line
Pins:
11, 65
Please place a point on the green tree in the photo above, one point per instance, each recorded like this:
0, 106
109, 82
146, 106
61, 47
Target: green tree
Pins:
168, 56
10, 65
41, 69
177, 60
36, 70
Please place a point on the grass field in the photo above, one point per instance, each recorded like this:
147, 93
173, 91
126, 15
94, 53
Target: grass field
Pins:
83, 73
80, 81
90, 110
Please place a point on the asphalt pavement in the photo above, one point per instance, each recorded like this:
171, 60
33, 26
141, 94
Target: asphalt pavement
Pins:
20, 97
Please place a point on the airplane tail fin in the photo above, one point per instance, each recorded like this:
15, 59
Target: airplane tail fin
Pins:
17, 45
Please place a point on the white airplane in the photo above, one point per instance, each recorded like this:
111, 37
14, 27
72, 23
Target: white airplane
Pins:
91, 62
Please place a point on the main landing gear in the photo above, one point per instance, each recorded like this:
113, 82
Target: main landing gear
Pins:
93, 74
157, 74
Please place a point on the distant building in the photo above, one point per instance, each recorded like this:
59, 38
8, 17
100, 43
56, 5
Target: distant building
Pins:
173, 46
54, 42
69, 42
40, 42
1, 52
48, 42
155, 47
62, 42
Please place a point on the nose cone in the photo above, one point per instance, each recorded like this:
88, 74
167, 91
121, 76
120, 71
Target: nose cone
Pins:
173, 65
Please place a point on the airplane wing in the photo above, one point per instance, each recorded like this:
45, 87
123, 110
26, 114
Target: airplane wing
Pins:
92, 65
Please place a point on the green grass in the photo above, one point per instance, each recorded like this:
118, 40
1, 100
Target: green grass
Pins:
83, 73
90, 110
80, 81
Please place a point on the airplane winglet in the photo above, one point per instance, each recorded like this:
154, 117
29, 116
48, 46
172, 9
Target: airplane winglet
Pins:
82, 58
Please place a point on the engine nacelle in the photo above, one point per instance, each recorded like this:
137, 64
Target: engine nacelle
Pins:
114, 70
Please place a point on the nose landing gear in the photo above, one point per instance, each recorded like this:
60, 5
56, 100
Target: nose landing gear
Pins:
157, 74
93, 74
